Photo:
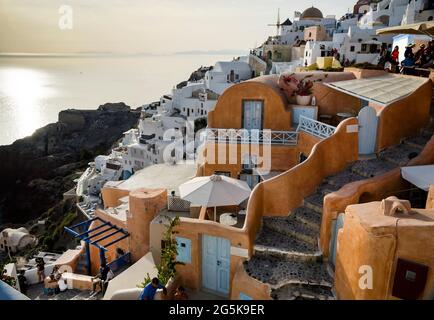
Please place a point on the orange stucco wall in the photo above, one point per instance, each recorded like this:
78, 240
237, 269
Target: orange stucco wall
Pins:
371, 239
111, 196
430, 199
145, 205
372, 189
365, 73
283, 158
404, 117
193, 229
228, 110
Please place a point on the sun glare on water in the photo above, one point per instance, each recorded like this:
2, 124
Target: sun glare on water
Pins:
25, 91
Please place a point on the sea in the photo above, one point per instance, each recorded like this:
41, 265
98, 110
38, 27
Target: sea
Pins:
34, 89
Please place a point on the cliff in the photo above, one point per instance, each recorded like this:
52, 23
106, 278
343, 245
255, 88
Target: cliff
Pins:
37, 170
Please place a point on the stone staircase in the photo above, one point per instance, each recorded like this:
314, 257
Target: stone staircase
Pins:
36, 292
287, 255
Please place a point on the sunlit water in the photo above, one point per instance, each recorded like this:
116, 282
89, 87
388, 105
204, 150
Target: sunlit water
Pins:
34, 90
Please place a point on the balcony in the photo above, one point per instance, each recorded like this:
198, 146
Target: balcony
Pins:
244, 136
287, 138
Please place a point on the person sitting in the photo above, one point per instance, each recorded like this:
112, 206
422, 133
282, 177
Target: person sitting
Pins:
56, 273
63, 284
119, 253
180, 294
151, 288
50, 285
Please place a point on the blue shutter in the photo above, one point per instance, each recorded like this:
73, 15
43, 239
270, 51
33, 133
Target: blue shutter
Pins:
184, 250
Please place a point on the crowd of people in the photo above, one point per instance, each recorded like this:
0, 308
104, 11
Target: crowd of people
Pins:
423, 58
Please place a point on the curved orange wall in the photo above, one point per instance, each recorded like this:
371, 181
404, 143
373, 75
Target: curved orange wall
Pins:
373, 189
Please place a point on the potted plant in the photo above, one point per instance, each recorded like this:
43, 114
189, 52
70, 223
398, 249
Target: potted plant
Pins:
301, 89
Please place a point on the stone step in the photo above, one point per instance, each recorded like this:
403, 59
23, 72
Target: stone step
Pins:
372, 167
327, 188
289, 226
309, 217
302, 292
419, 142
344, 177
273, 242
315, 202
279, 272
400, 154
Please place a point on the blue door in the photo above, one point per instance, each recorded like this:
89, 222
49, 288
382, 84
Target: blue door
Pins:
368, 124
252, 115
216, 264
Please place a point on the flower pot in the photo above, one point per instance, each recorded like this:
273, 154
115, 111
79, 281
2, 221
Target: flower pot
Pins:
303, 100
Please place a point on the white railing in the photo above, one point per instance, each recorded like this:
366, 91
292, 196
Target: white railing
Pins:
240, 136
315, 128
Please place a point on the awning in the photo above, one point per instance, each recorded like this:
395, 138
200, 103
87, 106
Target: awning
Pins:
423, 28
382, 90
420, 176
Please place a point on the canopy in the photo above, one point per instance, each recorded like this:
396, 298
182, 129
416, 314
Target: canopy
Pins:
420, 176
423, 28
382, 90
215, 191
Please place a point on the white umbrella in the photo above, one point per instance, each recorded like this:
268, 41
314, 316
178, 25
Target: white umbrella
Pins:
215, 191
421, 176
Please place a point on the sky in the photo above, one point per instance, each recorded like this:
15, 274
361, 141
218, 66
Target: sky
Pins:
145, 26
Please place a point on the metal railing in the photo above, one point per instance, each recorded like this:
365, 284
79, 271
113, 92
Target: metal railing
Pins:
315, 128
120, 262
240, 136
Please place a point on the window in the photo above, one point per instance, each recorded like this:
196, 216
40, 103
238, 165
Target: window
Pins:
353, 48
364, 47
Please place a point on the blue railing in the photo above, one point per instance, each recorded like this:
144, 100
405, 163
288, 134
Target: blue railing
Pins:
120, 262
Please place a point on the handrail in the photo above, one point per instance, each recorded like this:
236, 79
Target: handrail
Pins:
315, 128
240, 136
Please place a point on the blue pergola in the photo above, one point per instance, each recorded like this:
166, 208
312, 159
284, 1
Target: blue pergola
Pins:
95, 236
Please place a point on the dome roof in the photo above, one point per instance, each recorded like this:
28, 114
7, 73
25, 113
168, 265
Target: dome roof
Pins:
312, 14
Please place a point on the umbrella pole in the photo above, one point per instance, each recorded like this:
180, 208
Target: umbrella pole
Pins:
215, 214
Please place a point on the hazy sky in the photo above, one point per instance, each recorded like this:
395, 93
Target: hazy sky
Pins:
152, 26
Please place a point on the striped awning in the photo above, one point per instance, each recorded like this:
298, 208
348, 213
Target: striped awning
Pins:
382, 90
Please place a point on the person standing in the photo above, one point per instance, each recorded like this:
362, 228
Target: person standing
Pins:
103, 277
395, 55
40, 265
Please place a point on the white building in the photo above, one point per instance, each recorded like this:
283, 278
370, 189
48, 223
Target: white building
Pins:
388, 13
15, 240
225, 74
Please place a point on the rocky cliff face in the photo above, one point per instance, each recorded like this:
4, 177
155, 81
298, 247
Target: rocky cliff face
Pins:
37, 170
